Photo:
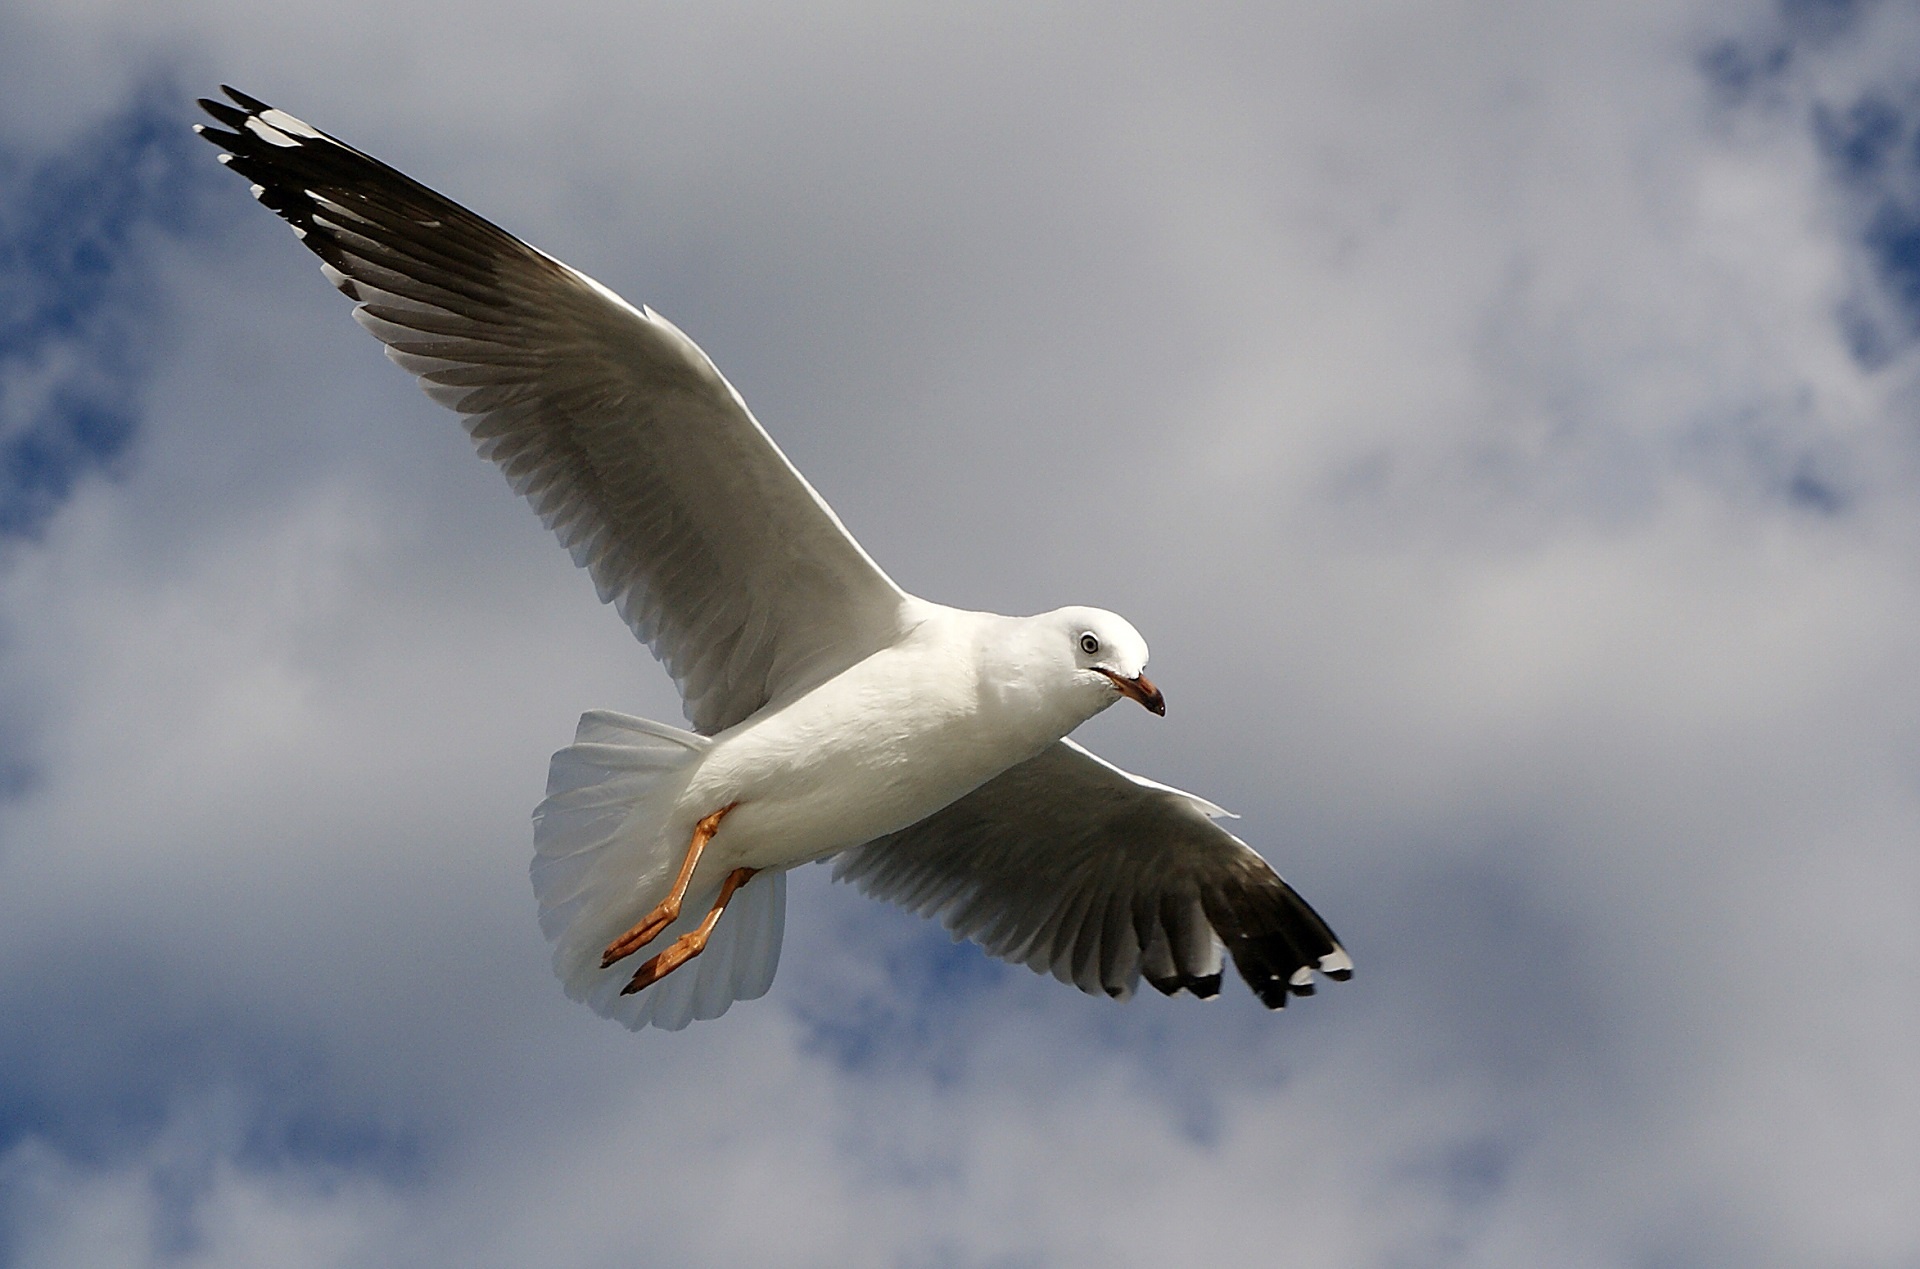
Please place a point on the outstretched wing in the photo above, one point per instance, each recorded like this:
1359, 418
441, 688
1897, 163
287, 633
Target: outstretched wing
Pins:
1071, 866
615, 426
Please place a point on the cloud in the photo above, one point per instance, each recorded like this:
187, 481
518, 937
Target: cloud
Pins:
1496, 421
75, 333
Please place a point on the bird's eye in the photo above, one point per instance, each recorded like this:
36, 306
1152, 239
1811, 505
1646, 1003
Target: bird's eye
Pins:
1089, 644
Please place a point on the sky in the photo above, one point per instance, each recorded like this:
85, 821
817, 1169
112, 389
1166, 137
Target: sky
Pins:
1503, 422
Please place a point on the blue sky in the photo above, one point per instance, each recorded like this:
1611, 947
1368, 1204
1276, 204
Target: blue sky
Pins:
1501, 424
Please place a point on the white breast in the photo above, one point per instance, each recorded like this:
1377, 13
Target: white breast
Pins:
883, 745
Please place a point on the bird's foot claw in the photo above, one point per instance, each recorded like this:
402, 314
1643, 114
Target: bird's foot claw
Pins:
682, 950
640, 935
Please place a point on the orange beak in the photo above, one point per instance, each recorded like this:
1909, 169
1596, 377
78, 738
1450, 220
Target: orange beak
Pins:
1140, 689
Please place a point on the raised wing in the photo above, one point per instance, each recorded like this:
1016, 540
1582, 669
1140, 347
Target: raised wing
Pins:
1073, 867
615, 426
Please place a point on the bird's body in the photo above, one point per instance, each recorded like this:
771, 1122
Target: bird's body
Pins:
886, 743
834, 714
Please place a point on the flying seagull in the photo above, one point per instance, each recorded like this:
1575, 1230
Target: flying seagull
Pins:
833, 713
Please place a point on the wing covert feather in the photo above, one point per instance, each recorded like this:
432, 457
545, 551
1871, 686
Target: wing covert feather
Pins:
1075, 868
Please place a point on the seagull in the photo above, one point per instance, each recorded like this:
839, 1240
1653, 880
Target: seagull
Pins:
922, 747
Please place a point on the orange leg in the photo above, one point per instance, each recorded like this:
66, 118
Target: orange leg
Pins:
668, 910
690, 944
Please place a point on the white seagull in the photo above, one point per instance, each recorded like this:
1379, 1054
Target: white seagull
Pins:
834, 714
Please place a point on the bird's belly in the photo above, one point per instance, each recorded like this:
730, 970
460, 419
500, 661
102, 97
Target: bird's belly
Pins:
801, 822
806, 788
774, 834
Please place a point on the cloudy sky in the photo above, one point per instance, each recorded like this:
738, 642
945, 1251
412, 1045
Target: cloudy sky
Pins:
1503, 421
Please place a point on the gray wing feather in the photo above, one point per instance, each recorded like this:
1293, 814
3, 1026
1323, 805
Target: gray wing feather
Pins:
618, 430
1075, 868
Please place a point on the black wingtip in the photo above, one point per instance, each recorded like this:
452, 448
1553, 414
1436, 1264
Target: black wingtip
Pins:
1273, 994
253, 104
220, 110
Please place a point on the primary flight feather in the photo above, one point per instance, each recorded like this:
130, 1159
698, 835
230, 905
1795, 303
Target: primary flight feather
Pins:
834, 714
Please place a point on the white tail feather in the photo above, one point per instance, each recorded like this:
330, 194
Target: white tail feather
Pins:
605, 853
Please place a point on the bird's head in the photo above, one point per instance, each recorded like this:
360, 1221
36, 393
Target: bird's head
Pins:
1108, 655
